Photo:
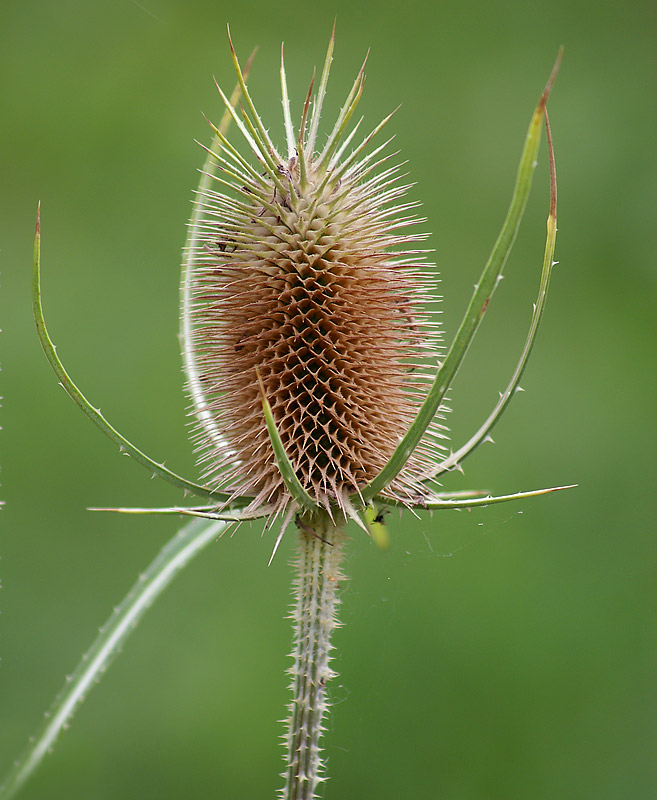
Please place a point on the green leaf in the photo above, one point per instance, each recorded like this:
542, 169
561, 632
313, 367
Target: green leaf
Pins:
205, 512
194, 230
474, 502
175, 555
474, 314
286, 469
81, 401
548, 262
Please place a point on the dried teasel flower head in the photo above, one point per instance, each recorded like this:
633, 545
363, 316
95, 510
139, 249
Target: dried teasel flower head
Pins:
306, 274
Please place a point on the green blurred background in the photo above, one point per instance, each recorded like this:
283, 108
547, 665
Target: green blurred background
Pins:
506, 653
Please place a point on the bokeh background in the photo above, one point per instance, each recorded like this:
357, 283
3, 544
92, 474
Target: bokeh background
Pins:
505, 653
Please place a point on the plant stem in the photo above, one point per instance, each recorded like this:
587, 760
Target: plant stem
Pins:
317, 582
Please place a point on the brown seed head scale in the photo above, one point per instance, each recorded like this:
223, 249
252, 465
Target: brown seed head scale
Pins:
305, 272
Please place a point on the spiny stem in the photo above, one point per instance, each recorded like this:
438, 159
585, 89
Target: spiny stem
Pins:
316, 599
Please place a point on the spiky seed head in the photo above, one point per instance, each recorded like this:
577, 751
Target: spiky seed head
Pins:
306, 272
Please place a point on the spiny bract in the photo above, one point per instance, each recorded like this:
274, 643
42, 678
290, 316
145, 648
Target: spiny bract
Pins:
304, 272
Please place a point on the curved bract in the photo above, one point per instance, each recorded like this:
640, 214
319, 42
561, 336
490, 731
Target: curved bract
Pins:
174, 556
81, 401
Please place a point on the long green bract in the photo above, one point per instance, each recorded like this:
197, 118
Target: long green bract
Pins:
206, 512
175, 555
81, 401
474, 502
292, 483
474, 314
190, 367
505, 397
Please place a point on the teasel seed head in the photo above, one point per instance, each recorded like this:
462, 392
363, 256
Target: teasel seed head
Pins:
306, 273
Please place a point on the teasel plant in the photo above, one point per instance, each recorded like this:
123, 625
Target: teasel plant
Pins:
316, 372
